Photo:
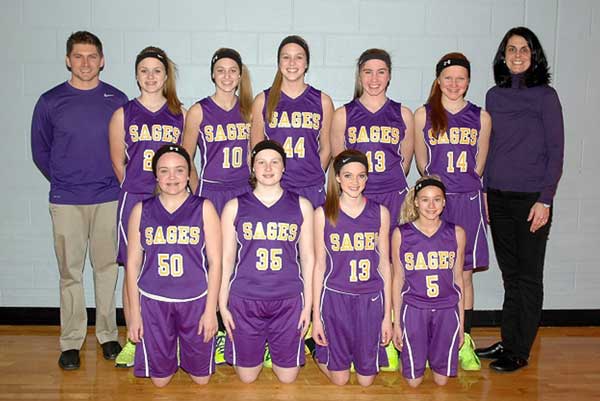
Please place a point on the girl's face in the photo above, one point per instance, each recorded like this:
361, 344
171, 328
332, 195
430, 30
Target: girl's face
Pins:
454, 82
352, 179
151, 75
292, 62
430, 202
172, 173
517, 54
268, 167
226, 74
374, 77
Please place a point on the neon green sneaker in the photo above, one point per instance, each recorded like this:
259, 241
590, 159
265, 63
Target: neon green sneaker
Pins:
126, 357
267, 363
220, 348
467, 357
392, 356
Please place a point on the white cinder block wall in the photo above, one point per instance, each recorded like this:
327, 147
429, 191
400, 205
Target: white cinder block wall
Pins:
417, 33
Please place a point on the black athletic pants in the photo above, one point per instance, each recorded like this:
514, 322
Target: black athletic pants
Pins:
520, 255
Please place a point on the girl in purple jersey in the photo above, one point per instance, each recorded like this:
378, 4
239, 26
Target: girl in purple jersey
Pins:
452, 140
428, 255
379, 127
136, 131
219, 125
352, 279
265, 293
298, 116
173, 275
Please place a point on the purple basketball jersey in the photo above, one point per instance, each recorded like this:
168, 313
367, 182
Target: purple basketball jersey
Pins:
267, 267
175, 266
145, 133
223, 145
352, 252
378, 135
428, 267
296, 125
452, 155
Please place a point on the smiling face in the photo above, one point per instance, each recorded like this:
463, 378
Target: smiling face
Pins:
226, 74
352, 179
172, 173
292, 62
517, 54
85, 63
454, 82
151, 75
374, 77
430, 202
268, 167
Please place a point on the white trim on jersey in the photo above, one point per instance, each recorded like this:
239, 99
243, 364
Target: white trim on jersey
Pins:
171, 300
407, 343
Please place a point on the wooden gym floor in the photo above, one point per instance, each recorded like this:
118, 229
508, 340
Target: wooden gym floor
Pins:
565, 366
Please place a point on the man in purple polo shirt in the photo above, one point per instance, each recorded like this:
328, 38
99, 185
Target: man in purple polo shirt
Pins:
69, 142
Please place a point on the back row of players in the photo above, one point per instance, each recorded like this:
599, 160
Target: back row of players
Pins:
264, 294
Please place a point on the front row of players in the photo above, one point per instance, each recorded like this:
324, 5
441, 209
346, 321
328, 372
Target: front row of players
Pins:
272, 259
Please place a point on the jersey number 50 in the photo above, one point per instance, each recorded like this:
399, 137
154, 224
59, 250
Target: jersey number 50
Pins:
170, 264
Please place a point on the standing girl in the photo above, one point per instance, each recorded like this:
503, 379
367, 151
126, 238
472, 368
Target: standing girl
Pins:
298, 116
266, 293
173, 275
352, 280
452, 140
380, 128
219, 125
428, 255
136, 131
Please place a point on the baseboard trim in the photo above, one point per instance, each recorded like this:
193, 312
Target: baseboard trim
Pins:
481, 318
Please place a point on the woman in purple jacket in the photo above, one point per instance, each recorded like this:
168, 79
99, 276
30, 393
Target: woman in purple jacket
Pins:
523, 169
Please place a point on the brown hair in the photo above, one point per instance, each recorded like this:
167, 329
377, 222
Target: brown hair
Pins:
370, 54
439, 119
331, 207
86, 38
169, 89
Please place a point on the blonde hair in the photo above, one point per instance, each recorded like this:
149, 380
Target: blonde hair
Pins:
169, 90
409, 211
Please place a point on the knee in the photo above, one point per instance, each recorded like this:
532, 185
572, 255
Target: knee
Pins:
414, 383
365, 381
161, 382
200, 379
247, 379
340, 379
440, 380
287, 378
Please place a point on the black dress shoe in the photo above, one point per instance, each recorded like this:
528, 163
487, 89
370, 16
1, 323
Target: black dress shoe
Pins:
494, 351
508, 364
110, 349
69, 360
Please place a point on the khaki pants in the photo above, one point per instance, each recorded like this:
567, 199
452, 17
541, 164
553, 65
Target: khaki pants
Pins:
76, 227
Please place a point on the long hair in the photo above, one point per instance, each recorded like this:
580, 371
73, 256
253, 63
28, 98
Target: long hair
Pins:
370, 54
538, 72
439, 119
245, 94
331, 207
275, 91
169, 90
409, 211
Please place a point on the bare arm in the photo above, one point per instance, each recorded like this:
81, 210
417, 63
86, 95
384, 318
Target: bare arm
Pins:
338, 131
193, 119
407, 146
307, 261
324, 141
483, 144
318, 332
397, 283
257, 129
420, 146
116, 139
458, 276
212, 236
386, 272
229, 255
135, 255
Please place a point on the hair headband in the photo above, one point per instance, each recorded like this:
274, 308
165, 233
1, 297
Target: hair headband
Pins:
448, 62
429, 182
152, 54
267, 144
297, 40
171, 149
225, 53
342, 161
